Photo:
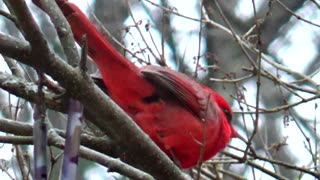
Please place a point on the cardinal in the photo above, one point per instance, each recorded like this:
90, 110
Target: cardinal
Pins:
188, 121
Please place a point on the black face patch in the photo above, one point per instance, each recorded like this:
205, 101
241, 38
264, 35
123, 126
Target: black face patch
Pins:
151, 99
228, 115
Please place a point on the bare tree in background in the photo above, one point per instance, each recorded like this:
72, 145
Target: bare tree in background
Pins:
238, 55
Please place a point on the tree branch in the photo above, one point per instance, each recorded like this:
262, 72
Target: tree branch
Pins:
23, 135
139, 149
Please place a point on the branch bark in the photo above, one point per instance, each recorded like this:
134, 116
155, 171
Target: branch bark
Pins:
23, 136
139, 149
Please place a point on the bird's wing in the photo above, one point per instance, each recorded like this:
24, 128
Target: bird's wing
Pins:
190, 93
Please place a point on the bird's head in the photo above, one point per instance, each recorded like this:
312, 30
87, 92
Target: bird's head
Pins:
226, 109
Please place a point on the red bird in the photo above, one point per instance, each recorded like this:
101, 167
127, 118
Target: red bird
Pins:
183, 117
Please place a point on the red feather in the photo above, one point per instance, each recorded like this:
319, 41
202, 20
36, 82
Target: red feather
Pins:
170, 107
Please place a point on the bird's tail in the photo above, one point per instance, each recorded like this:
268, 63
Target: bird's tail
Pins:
121, 77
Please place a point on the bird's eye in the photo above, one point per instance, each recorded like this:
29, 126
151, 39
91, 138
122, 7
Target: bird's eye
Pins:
228, 115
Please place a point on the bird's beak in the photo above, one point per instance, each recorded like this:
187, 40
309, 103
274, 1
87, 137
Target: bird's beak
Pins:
234, 133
